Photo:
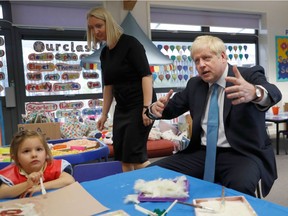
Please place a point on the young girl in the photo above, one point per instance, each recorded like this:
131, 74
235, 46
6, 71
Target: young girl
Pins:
32, 160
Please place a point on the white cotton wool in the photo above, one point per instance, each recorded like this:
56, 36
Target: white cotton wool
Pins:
163, 187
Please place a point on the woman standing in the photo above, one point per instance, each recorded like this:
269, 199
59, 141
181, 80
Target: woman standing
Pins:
127, 77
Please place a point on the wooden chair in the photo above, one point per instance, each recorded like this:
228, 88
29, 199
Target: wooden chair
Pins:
92, 171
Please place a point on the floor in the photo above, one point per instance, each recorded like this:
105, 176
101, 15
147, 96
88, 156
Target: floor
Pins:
279, 191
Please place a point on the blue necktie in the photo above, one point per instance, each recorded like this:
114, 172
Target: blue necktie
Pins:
212, 135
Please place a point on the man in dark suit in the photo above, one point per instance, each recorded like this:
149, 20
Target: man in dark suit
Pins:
244, 151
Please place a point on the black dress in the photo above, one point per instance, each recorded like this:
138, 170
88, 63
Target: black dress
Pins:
123, 67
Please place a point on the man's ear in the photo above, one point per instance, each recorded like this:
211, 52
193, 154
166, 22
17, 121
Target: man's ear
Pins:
224, 56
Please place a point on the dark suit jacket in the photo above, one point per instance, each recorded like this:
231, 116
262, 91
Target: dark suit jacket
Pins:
244, 123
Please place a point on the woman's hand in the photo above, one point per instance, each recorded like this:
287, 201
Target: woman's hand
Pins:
101, 122
146, 121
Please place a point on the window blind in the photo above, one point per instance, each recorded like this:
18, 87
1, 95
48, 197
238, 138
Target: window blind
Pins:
204, 18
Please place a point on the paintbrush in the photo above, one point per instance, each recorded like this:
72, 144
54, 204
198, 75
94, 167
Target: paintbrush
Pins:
43, 190
144, 210
197, 206
170, 207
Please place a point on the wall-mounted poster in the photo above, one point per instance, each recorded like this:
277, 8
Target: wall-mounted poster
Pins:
282, 58
52, 68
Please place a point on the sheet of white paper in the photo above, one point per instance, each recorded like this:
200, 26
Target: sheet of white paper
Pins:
70, 200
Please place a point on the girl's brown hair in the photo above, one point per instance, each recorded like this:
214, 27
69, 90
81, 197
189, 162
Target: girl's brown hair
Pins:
19, 138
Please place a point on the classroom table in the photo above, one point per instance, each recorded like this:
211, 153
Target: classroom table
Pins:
98, 154
112, 190
84, 157
277, 119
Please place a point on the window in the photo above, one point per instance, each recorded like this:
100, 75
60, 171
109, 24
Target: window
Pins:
238, 31
51, 74
204, 18
52, 67
174, 27
232, 30
1, 12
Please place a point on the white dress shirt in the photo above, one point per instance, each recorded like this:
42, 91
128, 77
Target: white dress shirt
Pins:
222, 140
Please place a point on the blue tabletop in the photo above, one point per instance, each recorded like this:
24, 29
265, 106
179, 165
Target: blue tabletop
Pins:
112, 190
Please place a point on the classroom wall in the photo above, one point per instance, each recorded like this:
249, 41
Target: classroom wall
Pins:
273, 22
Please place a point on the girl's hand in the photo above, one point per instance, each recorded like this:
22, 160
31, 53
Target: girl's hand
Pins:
30, 191
34, 178
33, 181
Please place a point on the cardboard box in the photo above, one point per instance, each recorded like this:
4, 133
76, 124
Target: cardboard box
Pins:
49, 130
286, 107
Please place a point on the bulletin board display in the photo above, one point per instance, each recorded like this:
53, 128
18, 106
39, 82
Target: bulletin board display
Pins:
53, 68
3, 66
281, 58
63, 109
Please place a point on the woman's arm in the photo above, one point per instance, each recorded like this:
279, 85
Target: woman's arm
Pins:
107, 100
147, 89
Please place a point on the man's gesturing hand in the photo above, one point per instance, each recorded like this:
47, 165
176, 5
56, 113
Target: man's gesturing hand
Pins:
160, 104
242, 91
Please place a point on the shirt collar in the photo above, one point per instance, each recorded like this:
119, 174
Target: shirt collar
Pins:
22, 172
221, 81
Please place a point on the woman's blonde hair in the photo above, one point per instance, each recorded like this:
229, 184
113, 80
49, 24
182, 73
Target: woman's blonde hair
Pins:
20, 137
215, 44
113, 29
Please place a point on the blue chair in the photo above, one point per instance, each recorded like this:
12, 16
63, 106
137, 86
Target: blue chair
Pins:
92, 171
4, 164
